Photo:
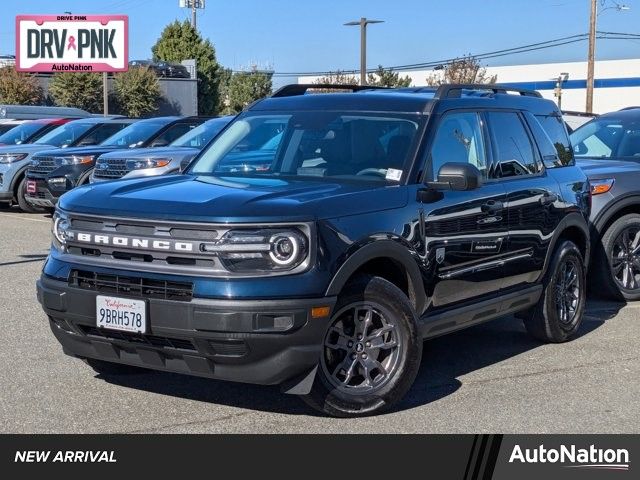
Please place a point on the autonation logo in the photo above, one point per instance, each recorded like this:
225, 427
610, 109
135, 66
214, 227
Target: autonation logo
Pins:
573, 457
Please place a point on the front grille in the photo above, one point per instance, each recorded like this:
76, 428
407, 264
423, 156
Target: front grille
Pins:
116, 168
45, 166
131, 286
151, 340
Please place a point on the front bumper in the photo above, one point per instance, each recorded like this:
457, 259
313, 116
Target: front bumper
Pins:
42, 197
253, 341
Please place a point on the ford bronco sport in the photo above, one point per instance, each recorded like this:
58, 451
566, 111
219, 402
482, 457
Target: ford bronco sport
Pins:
320, 238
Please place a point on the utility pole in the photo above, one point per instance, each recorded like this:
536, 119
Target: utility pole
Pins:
193, 5
363, 22
592, 55
105, 94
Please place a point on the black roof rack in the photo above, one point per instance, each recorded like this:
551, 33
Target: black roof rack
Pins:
454, 90
301, 88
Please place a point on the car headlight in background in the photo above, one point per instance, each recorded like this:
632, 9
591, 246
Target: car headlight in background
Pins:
598, 187
12, 157
60, 229
140, 164
265, 250
74, 160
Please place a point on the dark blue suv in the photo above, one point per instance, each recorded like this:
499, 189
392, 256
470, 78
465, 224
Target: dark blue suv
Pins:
320, 238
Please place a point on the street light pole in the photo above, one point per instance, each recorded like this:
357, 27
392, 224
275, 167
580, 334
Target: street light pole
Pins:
592, 55
363, 22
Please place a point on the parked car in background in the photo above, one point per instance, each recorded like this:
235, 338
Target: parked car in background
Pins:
54, 172
575, 120
8, 124
148, 162
608, 150
31, 130
15, 159
163, 69
383, 218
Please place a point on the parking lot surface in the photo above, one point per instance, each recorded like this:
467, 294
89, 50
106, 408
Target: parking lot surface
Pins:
490, 378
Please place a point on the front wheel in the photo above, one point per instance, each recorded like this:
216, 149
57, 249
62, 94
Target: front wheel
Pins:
371, 352
558, 315
618, 265
22, 201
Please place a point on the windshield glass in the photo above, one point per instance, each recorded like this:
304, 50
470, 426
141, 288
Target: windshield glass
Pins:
202, 134
608, 137
135, 134
353, 145
21, 134
65, 135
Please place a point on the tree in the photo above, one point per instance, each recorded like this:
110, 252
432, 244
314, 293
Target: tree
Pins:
466, 69
137, 91
338, 78
387, 78
180, 41
77, 89
245, 88
19, 88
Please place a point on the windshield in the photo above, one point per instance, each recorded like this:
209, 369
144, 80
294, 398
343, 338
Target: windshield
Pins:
22, 133
135, 135
202, 134
65, 135
608, 137
353, 145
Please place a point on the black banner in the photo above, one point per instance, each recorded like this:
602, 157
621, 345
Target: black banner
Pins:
459, 457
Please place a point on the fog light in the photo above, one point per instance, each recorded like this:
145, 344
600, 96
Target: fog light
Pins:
57, 181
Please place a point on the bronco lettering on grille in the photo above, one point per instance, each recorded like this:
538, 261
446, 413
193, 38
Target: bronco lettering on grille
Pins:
133, 242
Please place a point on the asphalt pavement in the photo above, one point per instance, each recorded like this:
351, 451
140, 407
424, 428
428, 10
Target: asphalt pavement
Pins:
490, 378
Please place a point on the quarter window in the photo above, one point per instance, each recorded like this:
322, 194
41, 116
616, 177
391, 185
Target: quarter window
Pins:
459, 139
513, 153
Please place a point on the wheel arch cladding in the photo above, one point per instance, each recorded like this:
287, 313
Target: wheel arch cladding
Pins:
386, 259
614, 211
574, 229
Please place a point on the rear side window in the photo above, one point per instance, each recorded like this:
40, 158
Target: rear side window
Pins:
101, 133
513, 153
172, 133
555, 128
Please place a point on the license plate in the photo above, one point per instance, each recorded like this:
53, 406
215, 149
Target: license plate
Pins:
31, 186
124, 314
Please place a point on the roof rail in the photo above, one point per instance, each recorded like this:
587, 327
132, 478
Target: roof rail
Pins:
454, 90
295, 89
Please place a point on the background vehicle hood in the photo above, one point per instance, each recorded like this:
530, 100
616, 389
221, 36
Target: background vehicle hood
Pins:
220, 199
156, 152
26, 148
597, 168
88, 150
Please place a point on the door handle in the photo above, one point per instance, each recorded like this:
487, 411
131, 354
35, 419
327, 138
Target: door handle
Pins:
548, 198
492, 206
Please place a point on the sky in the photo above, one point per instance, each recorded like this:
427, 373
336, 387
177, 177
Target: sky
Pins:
302, 36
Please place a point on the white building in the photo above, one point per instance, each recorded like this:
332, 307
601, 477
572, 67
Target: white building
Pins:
617, 82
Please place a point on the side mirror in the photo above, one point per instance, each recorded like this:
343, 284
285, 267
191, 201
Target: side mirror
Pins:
457, 176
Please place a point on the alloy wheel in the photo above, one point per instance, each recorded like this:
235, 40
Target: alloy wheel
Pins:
568, 291
625, 258
361, 349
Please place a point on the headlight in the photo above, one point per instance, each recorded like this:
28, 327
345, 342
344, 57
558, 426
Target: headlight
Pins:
139, 164
74, 160
263, 250
60, 230
598, 187
12, 157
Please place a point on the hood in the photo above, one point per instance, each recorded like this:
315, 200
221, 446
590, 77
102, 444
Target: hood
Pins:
26, 148
88, 150
599, 168
220, 199
155, 152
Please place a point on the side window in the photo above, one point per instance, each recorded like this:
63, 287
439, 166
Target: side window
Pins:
103, 132
556, 130
172, 133
513, 152
459, 139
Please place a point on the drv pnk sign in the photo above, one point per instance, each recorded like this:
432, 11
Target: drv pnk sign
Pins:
72, 43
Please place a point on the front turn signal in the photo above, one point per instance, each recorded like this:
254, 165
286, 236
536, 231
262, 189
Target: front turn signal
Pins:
598, 187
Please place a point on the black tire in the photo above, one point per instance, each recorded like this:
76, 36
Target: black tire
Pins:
22, 202
605, 281
110, 368
84, 179
545, 321
392, 322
